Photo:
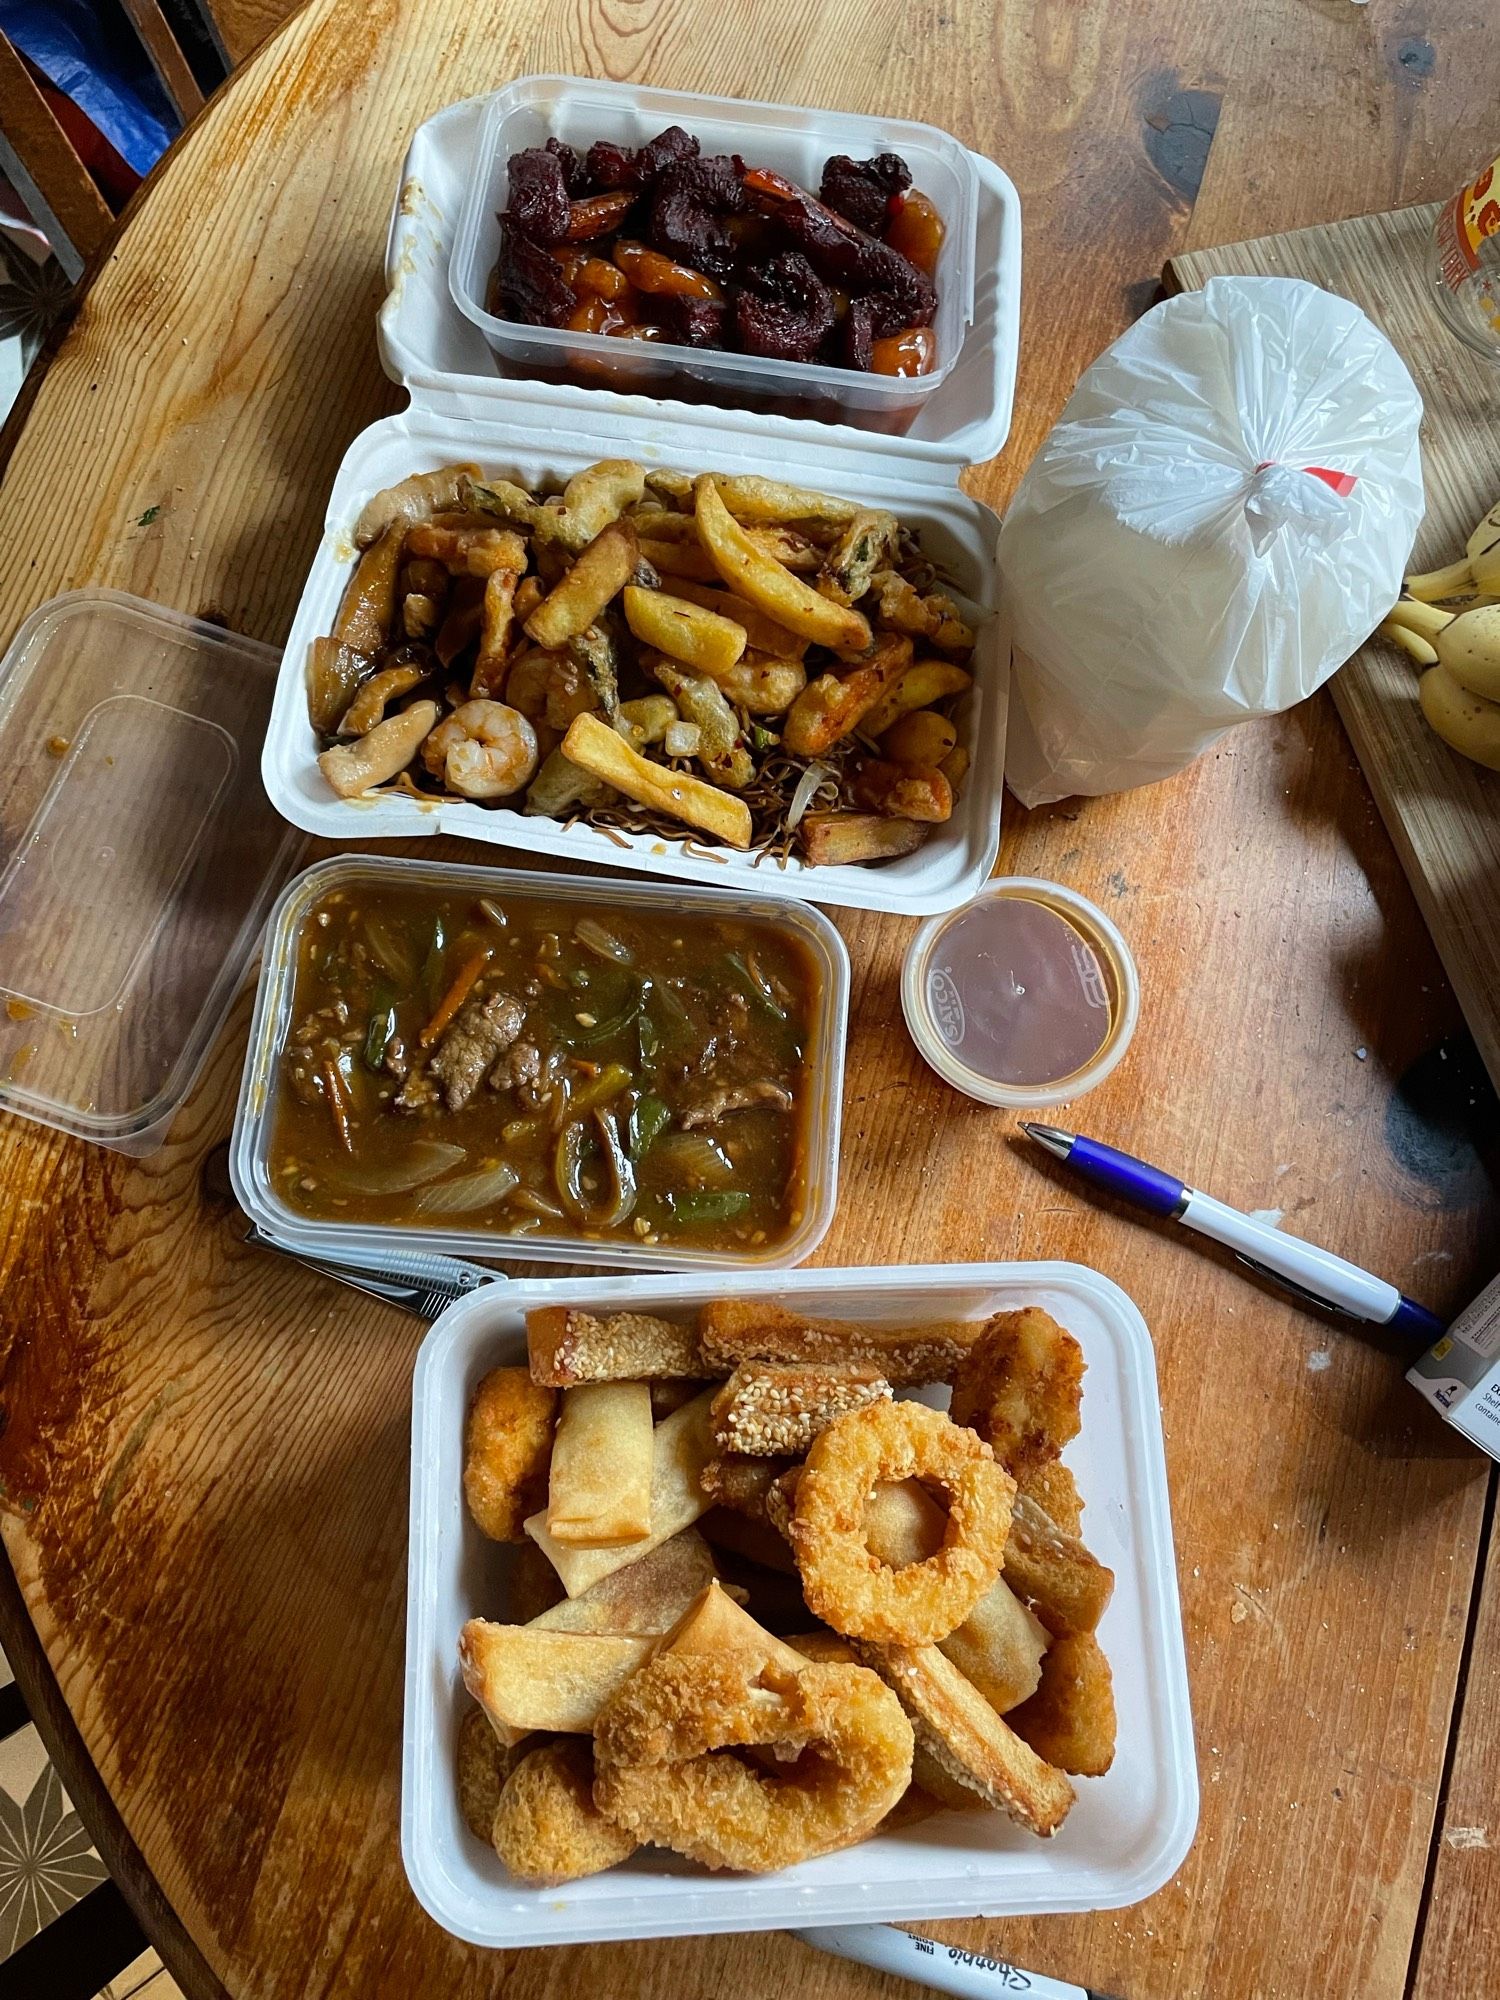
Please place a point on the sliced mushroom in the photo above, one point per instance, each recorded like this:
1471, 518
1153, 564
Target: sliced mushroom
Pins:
414, 499
352, 768
367, 710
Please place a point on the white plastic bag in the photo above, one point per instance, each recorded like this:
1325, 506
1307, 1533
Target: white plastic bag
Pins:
1222, 515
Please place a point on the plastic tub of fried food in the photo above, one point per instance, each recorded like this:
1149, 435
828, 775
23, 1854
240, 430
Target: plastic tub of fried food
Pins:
593, 1512
530, 600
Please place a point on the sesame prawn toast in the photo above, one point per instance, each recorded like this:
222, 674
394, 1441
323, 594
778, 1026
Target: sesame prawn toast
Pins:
1054, 1573
974, 1746
741, 1482
775, 1409
732, 1331
566, 1347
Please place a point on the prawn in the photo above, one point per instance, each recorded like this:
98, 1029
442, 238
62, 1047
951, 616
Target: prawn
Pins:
483, 750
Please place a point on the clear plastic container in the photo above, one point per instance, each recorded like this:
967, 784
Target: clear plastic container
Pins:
1128, 1832
138, 855
393, 1248
1085, 996
789, 139
535, 438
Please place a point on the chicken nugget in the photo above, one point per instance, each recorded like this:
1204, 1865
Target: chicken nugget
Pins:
482, 1763
507, 1451
1019, 1386
547, 1828
1070, 1720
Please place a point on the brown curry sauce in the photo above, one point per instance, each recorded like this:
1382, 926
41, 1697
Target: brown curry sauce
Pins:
522, 1067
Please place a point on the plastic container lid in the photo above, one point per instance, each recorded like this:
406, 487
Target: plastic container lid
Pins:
1026, 996
138, 856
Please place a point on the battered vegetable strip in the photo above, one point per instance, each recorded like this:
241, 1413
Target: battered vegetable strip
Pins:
565, 1346
721, 744
600, 1483
369, 601
968, 1740
591, 500
1070, 1720
769, 1409
644, 1597
681, 1447
736, 1330
524, 1679
748, 570
594, 746
1021, 1387
936, 618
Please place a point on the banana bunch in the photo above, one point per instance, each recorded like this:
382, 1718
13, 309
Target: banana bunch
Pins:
1460, 650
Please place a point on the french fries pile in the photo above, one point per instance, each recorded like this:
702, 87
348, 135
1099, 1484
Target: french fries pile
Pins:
728, 657
681, 1495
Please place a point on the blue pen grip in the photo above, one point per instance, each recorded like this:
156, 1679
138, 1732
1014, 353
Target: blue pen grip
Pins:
1130, 1179
1416, 1321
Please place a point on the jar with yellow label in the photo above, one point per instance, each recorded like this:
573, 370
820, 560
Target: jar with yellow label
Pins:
1463, 263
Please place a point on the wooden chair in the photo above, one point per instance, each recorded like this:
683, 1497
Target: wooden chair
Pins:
191, 44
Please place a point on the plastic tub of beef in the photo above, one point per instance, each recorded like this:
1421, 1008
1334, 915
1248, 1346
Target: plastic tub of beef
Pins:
673, 244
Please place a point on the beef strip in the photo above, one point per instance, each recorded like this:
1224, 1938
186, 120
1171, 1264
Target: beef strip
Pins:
481, 1030
735, 1097
518, 1070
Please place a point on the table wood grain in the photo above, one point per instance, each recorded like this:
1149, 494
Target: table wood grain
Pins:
203, 1460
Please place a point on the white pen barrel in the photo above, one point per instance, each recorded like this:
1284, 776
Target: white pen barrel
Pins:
970, 1975
1342, 1284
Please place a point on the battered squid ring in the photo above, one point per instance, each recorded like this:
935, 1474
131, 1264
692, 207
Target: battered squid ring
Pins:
657, 1774
843, 1583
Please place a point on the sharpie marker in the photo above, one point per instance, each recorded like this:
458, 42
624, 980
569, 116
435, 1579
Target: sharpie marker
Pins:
1300, 1268
969, 1974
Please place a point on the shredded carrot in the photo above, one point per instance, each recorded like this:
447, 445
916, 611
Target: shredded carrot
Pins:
334, 1084
455, 997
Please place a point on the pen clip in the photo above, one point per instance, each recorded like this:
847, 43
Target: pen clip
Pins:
1291, 1285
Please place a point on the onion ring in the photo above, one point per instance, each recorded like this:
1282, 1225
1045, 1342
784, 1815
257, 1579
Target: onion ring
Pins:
658, 1774
546, 1827
843, 1582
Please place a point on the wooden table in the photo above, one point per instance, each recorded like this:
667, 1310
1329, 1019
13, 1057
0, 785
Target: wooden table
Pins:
203, 1465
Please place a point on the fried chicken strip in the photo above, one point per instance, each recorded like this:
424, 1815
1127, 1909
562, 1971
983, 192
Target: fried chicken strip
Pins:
547, 1828
1070, 1720
507, 1449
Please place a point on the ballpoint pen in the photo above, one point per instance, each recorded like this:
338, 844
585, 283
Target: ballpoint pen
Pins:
945, 1968
1301, 1268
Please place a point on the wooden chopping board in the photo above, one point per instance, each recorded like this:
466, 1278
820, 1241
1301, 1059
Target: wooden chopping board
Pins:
1443, 812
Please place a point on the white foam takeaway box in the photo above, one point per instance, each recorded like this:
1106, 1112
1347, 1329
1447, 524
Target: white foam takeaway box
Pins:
1128, 1832
533, 431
